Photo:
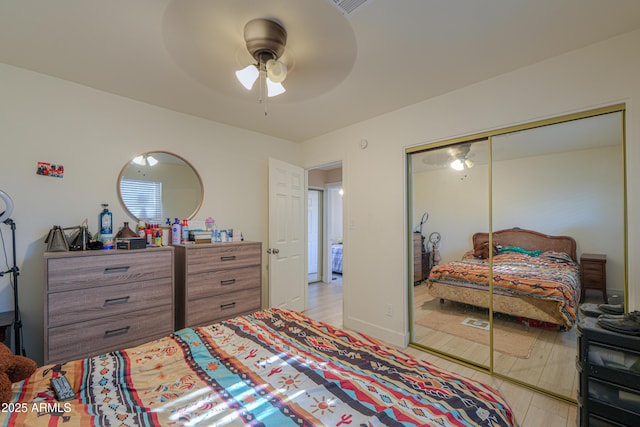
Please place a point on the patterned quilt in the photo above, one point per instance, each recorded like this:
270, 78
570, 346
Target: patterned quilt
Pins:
272, 368
548, 276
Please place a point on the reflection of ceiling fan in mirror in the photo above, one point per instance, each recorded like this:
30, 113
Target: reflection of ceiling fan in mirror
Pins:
458, 157
461, 157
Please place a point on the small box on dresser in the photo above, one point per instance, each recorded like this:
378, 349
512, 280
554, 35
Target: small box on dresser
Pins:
609, 368
217, 281
100, 301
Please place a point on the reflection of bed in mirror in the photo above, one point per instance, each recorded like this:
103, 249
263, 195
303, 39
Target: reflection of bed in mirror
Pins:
535, 276
336, 258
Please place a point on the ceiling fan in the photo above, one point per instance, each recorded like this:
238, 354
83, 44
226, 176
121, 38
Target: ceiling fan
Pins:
211, 40
265, 40
458, 157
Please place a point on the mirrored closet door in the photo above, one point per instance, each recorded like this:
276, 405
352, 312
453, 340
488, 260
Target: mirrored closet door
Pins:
450, 197
513, 223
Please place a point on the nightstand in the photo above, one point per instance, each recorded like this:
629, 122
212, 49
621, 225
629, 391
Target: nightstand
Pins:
593, 274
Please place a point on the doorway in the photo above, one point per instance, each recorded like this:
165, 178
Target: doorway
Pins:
325, 241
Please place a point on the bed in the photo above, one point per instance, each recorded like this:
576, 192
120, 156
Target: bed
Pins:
535, 277
336, 258
271, 368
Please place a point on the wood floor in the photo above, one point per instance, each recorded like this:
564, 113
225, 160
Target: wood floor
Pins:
532, 409
549, 366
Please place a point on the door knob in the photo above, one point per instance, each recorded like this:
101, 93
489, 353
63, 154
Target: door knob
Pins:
273, 251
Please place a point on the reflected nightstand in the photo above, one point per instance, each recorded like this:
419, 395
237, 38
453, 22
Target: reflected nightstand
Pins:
593, 274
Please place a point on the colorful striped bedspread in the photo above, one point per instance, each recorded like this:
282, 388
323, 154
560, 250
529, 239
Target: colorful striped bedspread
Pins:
272, 368
549, 276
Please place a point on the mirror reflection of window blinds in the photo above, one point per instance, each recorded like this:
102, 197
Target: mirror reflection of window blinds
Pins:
143, 198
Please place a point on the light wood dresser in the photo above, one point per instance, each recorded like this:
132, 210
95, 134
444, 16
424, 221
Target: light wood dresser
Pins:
99, 301
217, 281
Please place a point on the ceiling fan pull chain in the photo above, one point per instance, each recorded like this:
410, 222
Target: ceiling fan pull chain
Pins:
263, 93
262, 68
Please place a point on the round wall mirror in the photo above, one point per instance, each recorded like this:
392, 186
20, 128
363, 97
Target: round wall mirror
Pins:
158, 185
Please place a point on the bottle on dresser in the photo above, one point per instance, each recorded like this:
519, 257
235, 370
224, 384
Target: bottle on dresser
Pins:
214, 233
176, 232
106, 227
185, 231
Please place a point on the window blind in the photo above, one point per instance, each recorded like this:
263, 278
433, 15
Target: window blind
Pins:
143, 198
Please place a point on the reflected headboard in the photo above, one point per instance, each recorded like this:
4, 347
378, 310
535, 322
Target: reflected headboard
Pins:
530, 240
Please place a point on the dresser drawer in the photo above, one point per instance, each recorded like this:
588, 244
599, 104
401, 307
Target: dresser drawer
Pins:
66, 273
214, 309
592, 273
223, 281
98, 336
81, 305
592, 268
222, 256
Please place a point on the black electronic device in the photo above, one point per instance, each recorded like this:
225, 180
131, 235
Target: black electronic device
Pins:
62, 388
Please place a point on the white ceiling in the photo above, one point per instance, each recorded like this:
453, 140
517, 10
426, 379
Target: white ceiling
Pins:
387, 54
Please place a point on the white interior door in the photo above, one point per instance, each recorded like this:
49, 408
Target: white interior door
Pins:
286, 259
314, 235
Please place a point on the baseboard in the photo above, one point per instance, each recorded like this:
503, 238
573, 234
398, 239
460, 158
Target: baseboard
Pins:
389, 336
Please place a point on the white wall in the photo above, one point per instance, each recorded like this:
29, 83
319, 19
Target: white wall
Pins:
457, 206
94, 134
375, 214
585, 203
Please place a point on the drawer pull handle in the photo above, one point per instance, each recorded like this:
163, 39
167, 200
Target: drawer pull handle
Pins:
227, 282
116, 301
227, 306
227, 258
122, 269
116, 332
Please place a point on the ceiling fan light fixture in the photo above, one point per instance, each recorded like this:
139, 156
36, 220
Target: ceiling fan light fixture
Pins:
276, 70
265, 41
457, 164
274, 89
248, 76
152, 160
144, 160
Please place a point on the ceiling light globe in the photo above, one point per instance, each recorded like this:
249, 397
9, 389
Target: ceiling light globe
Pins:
274, 89
248, 76
457, 165
276, 71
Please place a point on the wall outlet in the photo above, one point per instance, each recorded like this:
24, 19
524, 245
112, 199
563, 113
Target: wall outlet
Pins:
389, 310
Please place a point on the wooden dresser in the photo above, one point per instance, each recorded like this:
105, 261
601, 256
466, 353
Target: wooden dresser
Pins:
217, 281
99, 301
421, 258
